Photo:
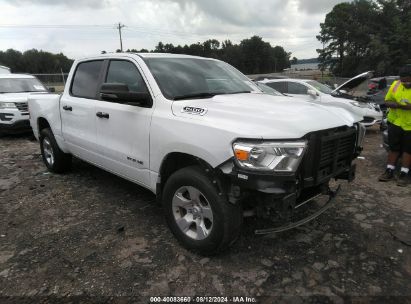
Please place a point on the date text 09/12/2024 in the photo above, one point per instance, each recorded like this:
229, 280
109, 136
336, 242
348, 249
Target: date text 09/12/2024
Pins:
205, 299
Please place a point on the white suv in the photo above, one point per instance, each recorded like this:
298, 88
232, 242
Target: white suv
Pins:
14, 91
314, 91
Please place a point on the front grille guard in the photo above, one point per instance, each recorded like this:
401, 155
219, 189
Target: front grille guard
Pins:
330, 202
330, 153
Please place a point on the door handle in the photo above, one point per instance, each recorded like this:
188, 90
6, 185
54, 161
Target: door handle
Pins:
67, 108
102, 115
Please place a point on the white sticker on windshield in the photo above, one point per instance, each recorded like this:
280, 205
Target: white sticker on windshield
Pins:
38, 87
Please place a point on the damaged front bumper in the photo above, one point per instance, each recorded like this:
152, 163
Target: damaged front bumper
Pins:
330, 202
275, 196
284, 196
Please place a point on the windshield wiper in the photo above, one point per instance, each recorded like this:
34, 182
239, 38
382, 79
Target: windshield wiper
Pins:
206, 95
239, 92
195, 95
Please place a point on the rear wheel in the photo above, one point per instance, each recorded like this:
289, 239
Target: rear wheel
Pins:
198, 216
55, 159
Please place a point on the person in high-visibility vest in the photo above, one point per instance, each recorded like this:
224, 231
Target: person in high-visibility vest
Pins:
398, 100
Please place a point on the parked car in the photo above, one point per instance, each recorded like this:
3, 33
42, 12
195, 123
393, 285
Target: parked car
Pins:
14, 91
201, 136
378, 89
268, 90
316, 92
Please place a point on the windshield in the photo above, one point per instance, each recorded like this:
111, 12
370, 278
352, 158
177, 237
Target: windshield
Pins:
320, 87
19, 85
180, 78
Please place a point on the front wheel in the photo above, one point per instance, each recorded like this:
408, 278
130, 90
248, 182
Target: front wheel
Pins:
55, 159
198, 216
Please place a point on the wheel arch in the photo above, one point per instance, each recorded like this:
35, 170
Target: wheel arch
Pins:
175, 161
42, 123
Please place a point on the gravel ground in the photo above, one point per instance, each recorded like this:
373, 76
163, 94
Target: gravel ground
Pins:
93, 235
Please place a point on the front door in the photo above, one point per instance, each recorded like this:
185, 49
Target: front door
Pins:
124, 129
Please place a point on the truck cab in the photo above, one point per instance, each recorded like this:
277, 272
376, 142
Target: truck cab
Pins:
200, 135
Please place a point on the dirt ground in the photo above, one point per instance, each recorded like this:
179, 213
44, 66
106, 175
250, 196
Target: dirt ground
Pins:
91, 235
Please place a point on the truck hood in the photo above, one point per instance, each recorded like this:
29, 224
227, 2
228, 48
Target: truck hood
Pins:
262, 116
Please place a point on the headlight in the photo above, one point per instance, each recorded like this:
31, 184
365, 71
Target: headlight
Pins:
7, 105
270, 156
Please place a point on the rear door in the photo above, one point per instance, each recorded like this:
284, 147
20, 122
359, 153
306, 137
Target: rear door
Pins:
78, 111
123, 130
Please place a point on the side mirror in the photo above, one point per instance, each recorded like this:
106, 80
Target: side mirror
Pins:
52, 89
120, 93
343, 91
312, 93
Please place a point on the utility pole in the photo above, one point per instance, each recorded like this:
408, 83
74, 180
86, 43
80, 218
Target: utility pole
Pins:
119, 27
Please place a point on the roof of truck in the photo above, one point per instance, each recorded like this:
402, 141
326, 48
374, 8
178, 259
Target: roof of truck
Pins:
167, 55
142, 55
14, 76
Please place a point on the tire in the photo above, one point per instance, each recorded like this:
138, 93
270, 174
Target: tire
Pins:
55, 160
209, 224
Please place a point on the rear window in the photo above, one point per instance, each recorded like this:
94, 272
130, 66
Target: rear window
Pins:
86, 79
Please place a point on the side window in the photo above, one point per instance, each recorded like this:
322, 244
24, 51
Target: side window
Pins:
280, 86
297, 88
86, 79
121, 71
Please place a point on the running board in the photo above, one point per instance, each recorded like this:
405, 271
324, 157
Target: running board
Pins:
331, 195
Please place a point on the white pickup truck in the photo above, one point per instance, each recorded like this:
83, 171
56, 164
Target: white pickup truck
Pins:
201, 136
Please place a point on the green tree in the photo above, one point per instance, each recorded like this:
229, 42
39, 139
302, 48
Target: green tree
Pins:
366, 35
35, 61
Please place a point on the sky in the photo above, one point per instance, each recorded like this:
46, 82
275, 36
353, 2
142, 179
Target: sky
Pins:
81, 28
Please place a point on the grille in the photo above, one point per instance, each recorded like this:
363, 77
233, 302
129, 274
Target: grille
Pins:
330, 153
22, 106
336, 153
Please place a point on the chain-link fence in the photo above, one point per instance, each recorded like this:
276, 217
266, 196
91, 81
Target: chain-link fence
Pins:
56, 81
